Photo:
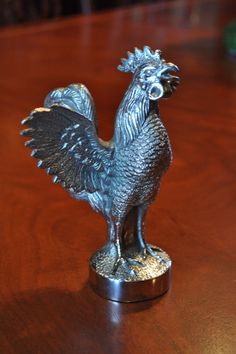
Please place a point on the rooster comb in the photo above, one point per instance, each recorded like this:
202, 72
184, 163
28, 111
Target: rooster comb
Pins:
139, 58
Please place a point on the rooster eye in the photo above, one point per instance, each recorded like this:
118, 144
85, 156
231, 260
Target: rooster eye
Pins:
146, 74
149, 73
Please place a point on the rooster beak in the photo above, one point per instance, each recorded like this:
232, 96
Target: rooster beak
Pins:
172, 67
168, 67
169, 81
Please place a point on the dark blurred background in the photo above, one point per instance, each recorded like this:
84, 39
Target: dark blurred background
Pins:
20, 11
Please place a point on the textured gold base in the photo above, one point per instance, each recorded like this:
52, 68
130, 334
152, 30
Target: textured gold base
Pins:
139, 288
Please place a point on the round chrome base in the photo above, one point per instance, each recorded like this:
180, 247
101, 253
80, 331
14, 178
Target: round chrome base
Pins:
149, 280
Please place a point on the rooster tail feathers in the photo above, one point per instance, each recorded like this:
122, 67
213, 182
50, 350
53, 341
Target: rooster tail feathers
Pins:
75, 97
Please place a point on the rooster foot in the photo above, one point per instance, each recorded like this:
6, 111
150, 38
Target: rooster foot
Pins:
152, 251
126, 263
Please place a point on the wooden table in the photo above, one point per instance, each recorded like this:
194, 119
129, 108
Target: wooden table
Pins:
46, 237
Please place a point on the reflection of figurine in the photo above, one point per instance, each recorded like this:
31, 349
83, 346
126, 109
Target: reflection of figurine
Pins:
119, 178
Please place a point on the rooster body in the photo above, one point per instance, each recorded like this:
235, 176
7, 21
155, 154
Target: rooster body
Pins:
119, 178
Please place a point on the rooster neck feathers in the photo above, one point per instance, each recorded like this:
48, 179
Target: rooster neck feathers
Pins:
131, 115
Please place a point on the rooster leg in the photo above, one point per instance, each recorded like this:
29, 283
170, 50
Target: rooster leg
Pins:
145, 248
142, 209
121, 259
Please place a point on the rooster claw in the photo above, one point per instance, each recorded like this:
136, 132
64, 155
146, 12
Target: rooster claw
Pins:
126, 263
152, 251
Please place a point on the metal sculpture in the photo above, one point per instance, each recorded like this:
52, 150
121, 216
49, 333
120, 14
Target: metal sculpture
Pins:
119, 178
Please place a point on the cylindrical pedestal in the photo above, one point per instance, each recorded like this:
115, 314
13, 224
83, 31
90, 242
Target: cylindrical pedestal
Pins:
152, 279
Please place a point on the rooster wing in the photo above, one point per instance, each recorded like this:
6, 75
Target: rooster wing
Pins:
67, 145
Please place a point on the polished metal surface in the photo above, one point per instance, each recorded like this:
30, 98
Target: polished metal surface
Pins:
153, 280
119, 178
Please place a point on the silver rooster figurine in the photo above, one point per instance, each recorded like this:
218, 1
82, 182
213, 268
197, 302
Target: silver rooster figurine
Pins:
119, 178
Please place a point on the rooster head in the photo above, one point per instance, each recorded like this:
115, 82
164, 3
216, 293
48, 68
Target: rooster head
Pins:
151, 72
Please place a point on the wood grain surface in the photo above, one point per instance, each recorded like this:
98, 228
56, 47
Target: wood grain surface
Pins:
46, 305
